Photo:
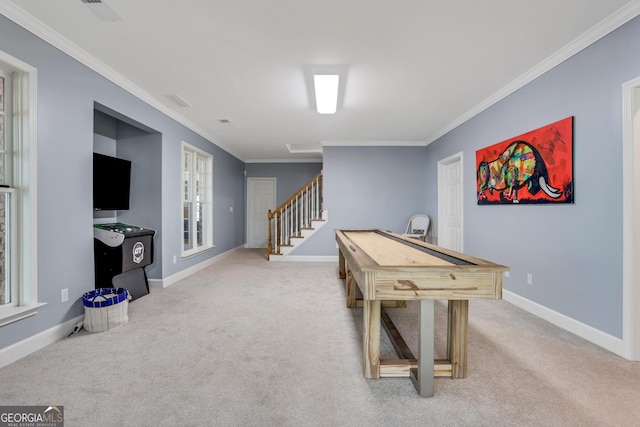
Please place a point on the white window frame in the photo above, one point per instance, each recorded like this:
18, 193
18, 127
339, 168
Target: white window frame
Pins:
24, 254
207, 220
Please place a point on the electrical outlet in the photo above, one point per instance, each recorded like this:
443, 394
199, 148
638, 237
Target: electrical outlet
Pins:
506, 274
175, 259
529, 279
64, 295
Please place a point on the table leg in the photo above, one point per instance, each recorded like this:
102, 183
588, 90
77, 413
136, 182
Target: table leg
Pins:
341, 265
457, 336
371, 338
422, 377
350, 289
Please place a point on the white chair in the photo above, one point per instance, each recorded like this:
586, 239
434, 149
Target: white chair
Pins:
418, 227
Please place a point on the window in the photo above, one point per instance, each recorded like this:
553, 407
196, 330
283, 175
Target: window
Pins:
197, 213
7, 290
18, 255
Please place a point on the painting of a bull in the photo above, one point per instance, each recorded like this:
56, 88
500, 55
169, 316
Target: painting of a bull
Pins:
507, 169
518, 166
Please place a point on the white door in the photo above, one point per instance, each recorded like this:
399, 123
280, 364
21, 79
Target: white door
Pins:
261, 196
450, 209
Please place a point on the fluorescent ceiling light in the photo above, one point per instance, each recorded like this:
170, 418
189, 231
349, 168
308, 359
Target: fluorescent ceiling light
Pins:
326, 89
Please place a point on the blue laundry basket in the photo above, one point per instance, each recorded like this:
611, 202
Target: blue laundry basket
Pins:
105, 308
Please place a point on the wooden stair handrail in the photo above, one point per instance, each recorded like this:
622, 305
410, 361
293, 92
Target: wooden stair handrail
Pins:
298, 193
283, 213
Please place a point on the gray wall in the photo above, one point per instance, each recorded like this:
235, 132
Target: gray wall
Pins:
67, 92
143, 148
573, 251
289, 176
377, 187
145, 201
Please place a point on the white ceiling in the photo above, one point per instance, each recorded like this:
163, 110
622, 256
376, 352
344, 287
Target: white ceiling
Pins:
415, 68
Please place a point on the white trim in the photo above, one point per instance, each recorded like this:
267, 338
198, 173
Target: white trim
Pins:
13, 314
15, 62
310, 258
29, 232
168, 281
630, 287
615, 20
25, 177
283, 160
20, 17
593, 335
457, 157
36, 342
207, 223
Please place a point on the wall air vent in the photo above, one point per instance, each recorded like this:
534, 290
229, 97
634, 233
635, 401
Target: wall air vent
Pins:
103, 11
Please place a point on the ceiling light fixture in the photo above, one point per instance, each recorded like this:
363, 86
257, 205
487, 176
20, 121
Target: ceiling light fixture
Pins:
326, 90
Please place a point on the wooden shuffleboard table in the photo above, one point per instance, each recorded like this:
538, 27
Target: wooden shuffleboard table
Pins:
390, 269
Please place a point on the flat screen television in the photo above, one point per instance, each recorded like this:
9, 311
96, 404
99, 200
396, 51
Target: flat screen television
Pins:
111, 183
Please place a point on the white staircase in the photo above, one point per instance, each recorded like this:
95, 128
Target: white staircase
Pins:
296, 220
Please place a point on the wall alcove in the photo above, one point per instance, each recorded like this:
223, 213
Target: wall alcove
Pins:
119, 136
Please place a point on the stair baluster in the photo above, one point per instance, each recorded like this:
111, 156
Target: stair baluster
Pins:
295, 214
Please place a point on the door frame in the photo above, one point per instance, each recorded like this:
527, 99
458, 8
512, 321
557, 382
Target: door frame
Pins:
442, 169
630, 222
249, 202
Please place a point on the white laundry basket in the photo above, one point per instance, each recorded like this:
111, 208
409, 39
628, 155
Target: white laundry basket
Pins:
105, 308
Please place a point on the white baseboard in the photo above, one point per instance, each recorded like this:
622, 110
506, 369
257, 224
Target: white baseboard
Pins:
168, 281
589, 333
310, 258
36, 342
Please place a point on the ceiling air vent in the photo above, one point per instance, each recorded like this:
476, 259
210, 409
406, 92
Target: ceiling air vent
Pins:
103, 11
179, 100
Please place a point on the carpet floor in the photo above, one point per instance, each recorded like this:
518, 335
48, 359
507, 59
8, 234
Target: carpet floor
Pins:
247, 342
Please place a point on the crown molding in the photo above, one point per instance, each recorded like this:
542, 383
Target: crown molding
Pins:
615, 20
35, 26
609, 24
283, 161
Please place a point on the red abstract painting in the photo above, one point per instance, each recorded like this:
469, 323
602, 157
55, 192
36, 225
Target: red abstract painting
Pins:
536, 167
